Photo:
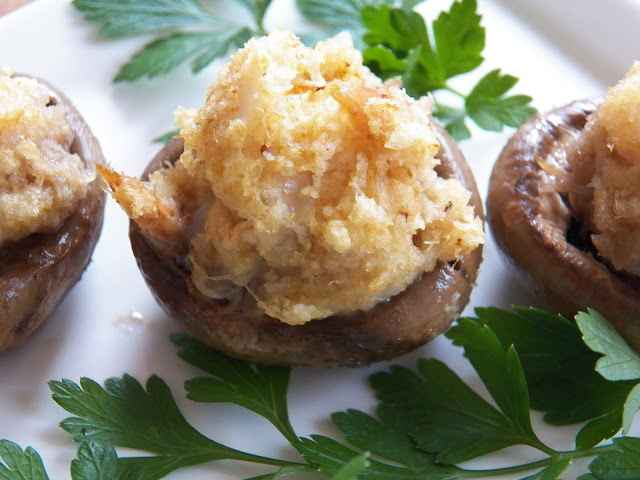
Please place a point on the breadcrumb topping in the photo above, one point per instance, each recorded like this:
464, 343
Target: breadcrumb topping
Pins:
41, 183
315, 183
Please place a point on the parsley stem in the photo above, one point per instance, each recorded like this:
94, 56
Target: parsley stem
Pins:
454, 91
508, 470
285, 428
539, 464
539, 445
251, 458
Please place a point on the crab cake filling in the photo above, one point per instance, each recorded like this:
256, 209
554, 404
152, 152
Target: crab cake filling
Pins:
609, 169
41, 182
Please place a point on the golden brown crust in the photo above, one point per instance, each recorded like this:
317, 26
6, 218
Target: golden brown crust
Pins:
38, 271
406, 321
531, 223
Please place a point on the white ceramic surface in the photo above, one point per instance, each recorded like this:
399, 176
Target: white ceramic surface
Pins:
109, 324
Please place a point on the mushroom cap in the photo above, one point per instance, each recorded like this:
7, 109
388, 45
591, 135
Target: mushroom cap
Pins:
534, 228
407, 320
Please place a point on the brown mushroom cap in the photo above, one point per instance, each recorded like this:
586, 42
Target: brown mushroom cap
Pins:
533, 226
38, 271
407, 320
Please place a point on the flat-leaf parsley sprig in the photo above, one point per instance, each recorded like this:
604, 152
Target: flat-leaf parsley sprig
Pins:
184, 29
398, 43
427, 423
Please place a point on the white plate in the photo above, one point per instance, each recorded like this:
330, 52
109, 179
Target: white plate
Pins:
109, 324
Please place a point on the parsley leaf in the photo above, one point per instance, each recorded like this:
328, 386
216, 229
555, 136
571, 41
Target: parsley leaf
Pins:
399, 39
622, 462
187, 32
394, 28
258, 8
450, 418
559, 369
459, 38
490, 109
620, 361
121, 18
458, 41
95, 461
389, 437
124, 414
19, 464
453, 119
383, 62
329, 456
631, 407
261, 389
351, 470
500, 371
334, 15
165, 54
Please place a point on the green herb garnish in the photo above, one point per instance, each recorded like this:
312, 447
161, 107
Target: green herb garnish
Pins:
19, 464
560, 370
94, 462
427, 423
394, 39
185, 32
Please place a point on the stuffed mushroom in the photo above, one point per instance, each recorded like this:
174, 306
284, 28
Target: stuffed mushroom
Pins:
51, 202
308, 213
564, 205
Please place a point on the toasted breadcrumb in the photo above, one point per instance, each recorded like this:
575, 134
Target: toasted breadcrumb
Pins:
41, 182
318, 183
